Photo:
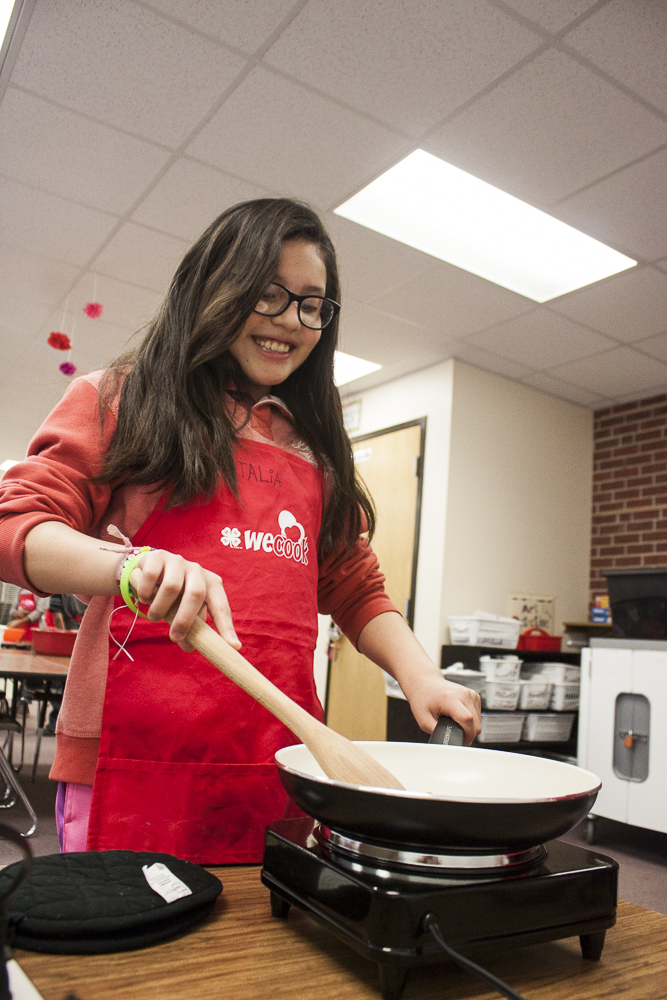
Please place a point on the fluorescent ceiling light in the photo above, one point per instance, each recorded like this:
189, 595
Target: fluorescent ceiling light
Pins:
7, 464
437, 208
6, 8
347, 368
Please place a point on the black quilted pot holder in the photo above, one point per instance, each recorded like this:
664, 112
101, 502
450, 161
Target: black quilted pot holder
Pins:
100, 901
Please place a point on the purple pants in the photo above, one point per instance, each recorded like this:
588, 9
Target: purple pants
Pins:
72, 812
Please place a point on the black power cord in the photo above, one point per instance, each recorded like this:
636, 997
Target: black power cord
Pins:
430, 924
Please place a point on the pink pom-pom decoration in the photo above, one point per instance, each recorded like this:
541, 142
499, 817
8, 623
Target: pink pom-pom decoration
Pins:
93, 309
60, 341
67, 368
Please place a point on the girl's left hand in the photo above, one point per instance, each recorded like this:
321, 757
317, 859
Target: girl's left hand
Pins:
434, 696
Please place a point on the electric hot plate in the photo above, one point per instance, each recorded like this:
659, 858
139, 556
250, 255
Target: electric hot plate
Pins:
375, 897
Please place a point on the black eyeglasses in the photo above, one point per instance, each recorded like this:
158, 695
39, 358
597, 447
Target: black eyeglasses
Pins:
315, 311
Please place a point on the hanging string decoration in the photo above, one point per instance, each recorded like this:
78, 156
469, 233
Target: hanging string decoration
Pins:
93, 309
67, 368
60, 341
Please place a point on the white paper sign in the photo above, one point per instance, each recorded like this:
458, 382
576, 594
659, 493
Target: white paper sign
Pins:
162, 881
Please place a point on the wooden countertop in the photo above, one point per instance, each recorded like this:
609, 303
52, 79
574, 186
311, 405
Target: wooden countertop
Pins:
243, 953
21, 663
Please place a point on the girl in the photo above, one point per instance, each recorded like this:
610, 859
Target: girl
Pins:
243, 500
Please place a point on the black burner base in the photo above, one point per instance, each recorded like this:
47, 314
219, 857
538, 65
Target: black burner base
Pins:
380, 912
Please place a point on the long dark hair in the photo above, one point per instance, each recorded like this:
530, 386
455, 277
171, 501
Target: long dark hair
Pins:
173, 430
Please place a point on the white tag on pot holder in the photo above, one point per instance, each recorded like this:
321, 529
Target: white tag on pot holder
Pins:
162, 881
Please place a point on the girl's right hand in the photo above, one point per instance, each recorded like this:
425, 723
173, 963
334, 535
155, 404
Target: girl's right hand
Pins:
161, 577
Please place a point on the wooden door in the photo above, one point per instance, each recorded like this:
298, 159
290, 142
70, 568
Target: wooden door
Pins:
390, 465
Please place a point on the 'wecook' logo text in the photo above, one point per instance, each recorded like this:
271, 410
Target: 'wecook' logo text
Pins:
280, 545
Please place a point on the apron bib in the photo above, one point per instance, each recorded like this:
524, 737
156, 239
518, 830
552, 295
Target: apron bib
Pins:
186, 757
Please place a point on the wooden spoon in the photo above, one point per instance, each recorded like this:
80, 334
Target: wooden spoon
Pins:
338, 758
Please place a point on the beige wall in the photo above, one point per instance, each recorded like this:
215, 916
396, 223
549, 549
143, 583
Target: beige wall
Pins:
519, 497
507, 494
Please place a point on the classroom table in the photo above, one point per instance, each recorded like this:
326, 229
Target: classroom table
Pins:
19, 665
241, 952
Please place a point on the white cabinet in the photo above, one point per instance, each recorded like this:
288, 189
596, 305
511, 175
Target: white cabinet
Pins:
612, 670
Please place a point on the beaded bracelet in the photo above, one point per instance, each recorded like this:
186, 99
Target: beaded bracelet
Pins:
128, 565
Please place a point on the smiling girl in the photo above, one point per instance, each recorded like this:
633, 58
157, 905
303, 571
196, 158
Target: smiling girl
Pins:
217, 450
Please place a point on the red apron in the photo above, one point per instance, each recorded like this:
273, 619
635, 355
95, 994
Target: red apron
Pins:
186, 757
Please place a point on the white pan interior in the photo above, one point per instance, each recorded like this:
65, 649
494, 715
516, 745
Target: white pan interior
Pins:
458, 773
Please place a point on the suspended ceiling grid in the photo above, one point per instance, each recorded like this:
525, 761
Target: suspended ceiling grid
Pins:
125, 127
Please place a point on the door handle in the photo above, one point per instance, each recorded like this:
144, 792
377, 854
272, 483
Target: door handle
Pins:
630, 738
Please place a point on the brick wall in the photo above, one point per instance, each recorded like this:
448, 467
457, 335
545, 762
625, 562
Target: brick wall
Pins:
629, 488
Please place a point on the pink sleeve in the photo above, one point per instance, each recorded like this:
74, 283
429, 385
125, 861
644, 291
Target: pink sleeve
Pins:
351, 589
52, 484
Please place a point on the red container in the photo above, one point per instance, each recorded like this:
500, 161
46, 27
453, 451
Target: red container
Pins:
54, 641
14, 635
539, 641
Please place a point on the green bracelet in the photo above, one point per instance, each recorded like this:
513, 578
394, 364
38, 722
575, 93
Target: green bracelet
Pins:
126, 591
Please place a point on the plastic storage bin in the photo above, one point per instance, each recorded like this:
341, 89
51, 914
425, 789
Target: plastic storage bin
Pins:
502, 694
564, 697
55, 641
536, 639
535, 693
548, 728
558, 673
474, 679
12, 635
505, 668
471, 631
505, 727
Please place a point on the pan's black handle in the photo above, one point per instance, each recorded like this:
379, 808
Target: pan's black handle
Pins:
448, 732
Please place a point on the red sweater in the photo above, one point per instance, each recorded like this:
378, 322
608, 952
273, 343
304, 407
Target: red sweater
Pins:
53, 484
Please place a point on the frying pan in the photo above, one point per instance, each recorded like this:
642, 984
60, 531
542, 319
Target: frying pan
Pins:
455, 797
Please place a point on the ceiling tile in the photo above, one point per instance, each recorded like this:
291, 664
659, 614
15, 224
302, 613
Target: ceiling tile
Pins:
235, 22
655, 346
621, 210
141, 256
46, 224
375, 336
540, 339
628, 40
278, 134
629, 306
40, 373
87, 336
563, 390
94, 337
549, 15
371, 264
407, 64
190, 196
662, 264
656, 390
407, 366
125, 306
38, 278
18, 315
451, 301
619, 372
489, 362
65, 153
546, 131
96, 357
124, 65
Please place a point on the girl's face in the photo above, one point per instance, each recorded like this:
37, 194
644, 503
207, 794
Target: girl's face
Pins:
270, 348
